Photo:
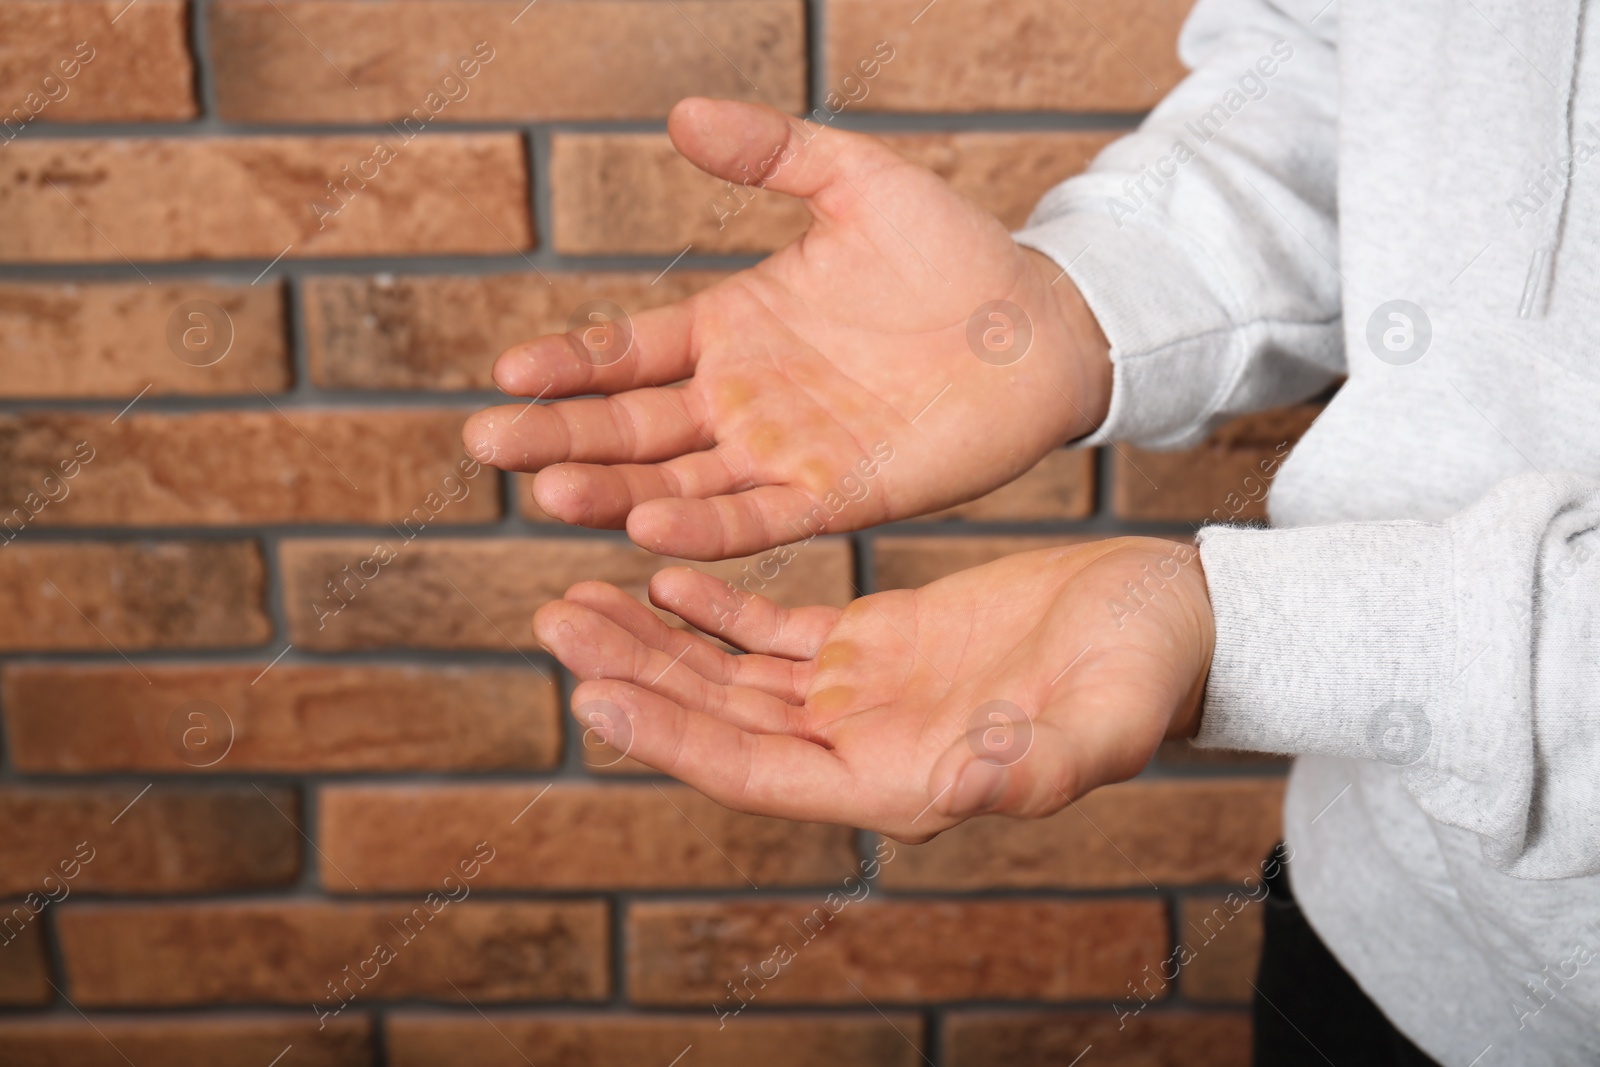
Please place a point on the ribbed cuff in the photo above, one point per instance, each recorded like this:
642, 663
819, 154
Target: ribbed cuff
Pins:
1336, 640
1158, 313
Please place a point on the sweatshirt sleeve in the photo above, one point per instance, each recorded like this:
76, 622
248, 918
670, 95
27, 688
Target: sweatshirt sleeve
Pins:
1467, 653
1205, 242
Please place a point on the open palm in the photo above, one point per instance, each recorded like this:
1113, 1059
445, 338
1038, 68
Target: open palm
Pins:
870, 336
1008, 688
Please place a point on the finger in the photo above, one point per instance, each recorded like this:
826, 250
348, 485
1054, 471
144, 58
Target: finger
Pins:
759, 145
740, 617
641, 426
721, 527
602, 496
593, 647
603, 356
764, 774
769, 674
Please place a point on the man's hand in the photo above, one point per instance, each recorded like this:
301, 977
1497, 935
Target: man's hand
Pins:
1012, 688
868, 332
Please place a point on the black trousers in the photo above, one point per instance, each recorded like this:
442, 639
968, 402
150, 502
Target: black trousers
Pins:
1307, 1009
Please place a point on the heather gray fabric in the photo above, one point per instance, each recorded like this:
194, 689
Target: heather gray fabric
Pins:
1407, 194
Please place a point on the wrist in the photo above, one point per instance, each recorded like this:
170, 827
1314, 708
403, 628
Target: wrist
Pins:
1196, 598
1075, 334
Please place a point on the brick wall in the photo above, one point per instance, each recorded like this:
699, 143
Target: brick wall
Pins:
268, 691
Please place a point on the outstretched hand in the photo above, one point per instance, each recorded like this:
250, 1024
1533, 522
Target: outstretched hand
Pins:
872, 334
1010, 688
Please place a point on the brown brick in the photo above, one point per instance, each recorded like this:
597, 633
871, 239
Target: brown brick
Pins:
1149, 1039
399, 837
608, 59
137, 68
159, 198
198, 1041
1059, 487
227, 468
1225, 479
110, 339
1168, 832
285, 717
444, 331
1006, 55
620, 193
901, 562
482, 593
417, 1039
615, 193
903, 952
288, 952
1223, 934
117, 597
1005, 173
167, 840
24, 960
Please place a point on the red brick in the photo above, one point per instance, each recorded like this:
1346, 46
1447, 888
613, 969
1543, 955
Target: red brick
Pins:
24, 961
616, 193
482, 593
167, 840
1186, 832
1006, 173
1225, 479
444, 331
176, 1041
72, 201
1149, 1039
110, 338
901, 952
902, 562
108, 597
1223, 934
287, 952
516, 1038
399, 837
1005, 55
228, 468
606, 59
286, 717
137, 68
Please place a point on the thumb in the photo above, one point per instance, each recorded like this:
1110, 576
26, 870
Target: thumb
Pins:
1022, 768
754, 144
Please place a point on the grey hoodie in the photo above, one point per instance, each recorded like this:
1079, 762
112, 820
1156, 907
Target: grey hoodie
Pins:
1407, 194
